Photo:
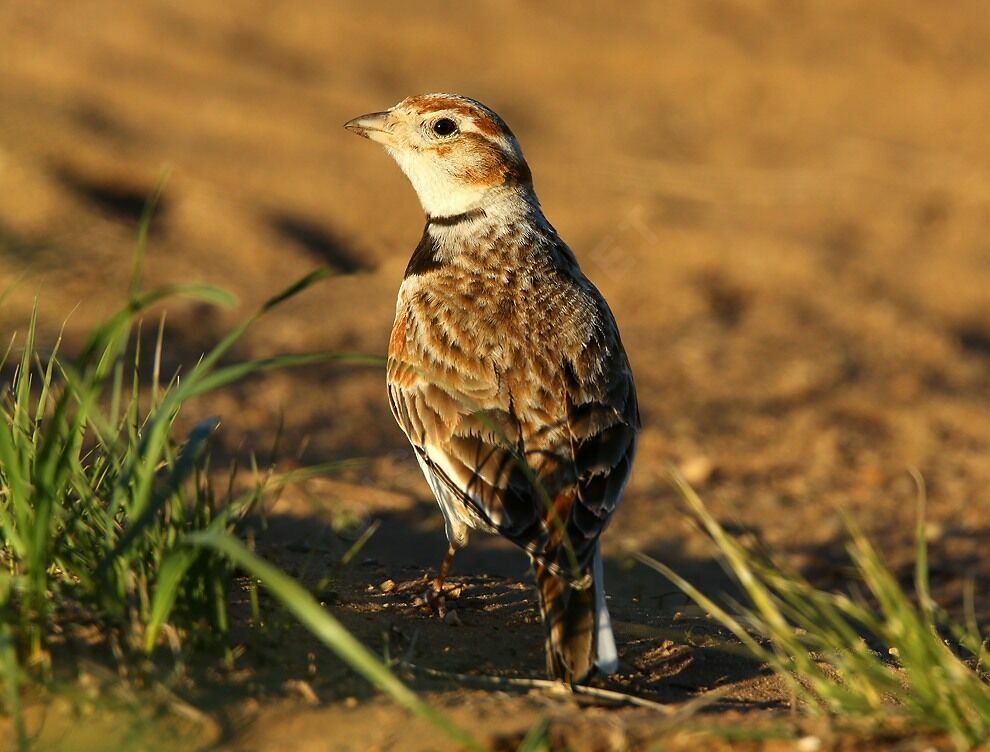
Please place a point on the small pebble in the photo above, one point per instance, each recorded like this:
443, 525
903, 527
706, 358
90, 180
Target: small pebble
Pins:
388, 586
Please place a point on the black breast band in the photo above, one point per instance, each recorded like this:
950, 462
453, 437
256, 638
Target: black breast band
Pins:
455, 219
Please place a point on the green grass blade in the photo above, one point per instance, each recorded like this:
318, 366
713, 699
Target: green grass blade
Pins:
921, 578
16, 495
144, 227
295, 288
229, 374
21, 421
170, 575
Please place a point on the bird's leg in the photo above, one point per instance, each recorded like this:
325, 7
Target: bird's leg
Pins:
434, 594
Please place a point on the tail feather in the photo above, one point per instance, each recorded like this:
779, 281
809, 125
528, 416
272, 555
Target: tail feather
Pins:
569, 621
578, 629
606, 654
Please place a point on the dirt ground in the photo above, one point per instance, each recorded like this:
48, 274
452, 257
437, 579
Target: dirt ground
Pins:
786, 204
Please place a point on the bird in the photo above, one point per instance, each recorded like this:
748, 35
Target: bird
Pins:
506, 371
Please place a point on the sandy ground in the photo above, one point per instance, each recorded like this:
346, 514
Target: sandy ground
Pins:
787, 205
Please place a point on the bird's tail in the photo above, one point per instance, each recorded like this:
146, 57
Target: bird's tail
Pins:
578, 629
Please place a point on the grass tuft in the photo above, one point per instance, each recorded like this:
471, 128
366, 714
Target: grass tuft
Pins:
820, 642
109, 517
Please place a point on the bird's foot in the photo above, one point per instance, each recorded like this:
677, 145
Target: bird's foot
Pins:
436, 601
436, 597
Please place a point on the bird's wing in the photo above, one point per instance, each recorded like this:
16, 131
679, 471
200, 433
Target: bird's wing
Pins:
464, 432
602, 423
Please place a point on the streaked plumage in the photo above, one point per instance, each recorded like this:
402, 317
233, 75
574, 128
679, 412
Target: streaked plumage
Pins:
505, 367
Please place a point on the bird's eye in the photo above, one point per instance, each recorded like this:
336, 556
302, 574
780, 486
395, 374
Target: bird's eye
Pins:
444, 127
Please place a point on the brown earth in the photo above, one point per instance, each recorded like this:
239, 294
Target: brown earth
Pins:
787, 205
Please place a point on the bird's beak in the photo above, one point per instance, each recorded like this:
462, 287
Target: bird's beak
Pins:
376, 126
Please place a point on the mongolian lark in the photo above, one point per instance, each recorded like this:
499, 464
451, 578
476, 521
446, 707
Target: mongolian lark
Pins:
505, 368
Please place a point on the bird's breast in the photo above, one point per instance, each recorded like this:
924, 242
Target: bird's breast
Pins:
508, 327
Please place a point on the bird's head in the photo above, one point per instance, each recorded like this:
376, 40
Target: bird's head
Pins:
456, 152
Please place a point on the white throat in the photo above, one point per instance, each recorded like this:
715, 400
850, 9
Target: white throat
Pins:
439, 192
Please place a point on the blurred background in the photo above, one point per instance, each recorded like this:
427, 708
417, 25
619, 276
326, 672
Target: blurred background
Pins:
786, 203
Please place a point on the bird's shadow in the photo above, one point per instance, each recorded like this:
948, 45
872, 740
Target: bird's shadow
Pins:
669, 650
